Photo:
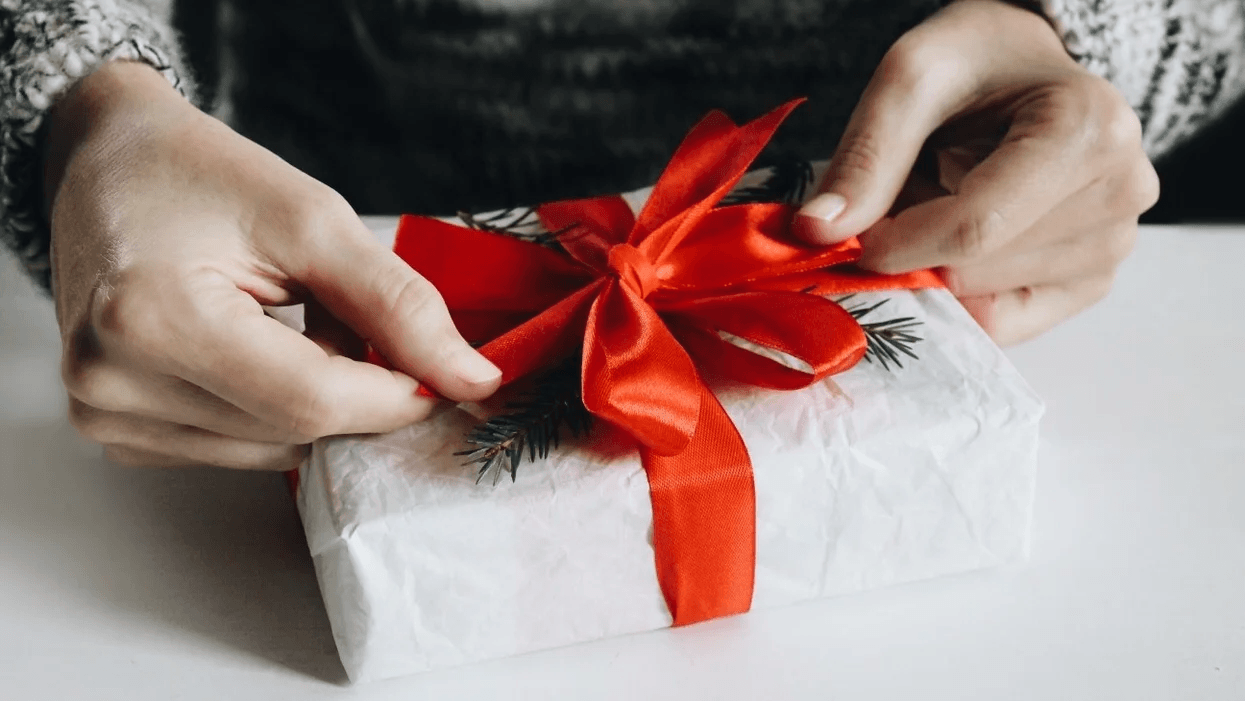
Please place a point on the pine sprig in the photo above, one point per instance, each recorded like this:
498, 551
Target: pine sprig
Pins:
533, 424
787, 183
887, 339
517, 222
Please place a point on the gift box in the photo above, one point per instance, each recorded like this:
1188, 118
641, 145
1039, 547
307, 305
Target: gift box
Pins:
869, 477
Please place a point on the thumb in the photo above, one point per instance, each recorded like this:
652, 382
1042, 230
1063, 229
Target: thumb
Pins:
909, 96
379, 296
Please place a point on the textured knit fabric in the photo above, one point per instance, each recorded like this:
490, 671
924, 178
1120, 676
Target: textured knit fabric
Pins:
1180, 63
437, 105
45, 46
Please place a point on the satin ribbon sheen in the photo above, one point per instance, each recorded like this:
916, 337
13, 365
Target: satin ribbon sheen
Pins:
645, 297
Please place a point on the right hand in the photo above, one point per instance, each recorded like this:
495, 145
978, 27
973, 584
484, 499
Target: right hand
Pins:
170, 233
1040, 177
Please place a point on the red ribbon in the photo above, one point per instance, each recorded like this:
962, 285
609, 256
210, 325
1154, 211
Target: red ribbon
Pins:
646, 297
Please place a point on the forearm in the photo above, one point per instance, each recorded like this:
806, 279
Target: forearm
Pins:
49, 46
1179, 63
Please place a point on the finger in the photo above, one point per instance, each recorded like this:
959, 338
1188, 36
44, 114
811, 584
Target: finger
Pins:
1035, 167
138, 436
1088, 254
131, 457
387, 303
916, 87
280, 376
114, 389
218, 338
1018, 315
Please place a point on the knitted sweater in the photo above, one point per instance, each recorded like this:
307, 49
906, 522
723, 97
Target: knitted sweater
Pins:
437, 105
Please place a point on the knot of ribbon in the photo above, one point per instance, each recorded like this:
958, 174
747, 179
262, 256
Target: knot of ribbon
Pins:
633, 269
649, 298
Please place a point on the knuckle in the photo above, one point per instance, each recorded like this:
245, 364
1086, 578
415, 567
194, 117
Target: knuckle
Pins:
1144, 186
1098, 288
129, 315
312, 416
914, 62
1133, 191
1093, 108
1120, 126
1068, 112
901, 66
412, 298
859, 155
1119, 244
89, 422
975, 236
84, 377
318, 214
889, 265
420, 414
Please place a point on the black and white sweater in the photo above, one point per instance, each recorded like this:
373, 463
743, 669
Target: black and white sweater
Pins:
437, 105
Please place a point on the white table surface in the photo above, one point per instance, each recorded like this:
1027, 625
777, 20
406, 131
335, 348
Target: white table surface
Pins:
196, 584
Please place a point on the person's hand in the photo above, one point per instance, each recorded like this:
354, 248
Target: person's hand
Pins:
1034, 226
170, 233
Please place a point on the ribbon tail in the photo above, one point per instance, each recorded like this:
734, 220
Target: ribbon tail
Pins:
546, 337
804, 327
704, 520
846, 280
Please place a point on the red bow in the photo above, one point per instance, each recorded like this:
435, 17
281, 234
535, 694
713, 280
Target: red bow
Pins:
644, 296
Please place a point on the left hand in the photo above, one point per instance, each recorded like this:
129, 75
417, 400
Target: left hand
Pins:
1032, 230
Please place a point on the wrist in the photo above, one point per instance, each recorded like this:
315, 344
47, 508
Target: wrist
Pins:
96, 106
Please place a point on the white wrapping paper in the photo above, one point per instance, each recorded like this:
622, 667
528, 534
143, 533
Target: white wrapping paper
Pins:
870, 478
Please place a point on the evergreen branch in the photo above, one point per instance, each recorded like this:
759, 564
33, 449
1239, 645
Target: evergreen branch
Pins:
887, 339
787, 182
517, 222
533, 424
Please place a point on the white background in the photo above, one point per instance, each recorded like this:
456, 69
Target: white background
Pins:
196, 584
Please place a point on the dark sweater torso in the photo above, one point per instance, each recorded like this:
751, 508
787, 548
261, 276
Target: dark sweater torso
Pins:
436, 105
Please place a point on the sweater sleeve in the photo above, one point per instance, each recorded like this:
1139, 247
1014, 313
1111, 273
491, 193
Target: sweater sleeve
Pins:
45, 46
1180, 63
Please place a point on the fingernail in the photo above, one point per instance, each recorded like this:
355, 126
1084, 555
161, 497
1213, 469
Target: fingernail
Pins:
474, 368
826, 206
